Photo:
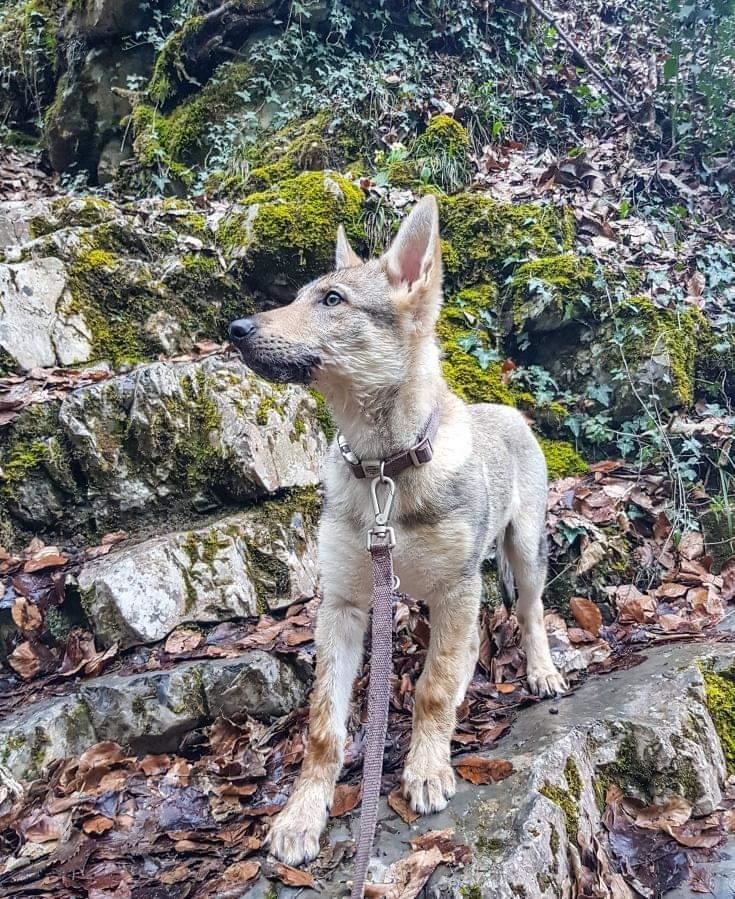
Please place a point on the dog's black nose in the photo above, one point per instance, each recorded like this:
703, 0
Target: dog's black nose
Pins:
242, 328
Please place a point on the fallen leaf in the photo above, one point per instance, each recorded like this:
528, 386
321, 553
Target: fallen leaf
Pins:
241, 872
405, 878
293, 877
479, 770
183, 639
26, 615
97, 824
401, 807
346, 798
586, 614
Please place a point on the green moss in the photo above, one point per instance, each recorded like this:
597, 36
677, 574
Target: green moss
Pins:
22, 459
550, 289
562, 460
169, 70
460, 321
566, 802
440, 154
719, 688
488, 238
293, 228
84, 212
268, 402
323, 415
11, 744
77, 722
637, 774
667, 335
470, 891
402, 173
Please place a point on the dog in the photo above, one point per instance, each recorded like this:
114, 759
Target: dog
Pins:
364, 335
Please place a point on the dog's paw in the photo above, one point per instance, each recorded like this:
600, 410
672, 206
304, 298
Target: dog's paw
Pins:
428, 788
294, 834
546, 681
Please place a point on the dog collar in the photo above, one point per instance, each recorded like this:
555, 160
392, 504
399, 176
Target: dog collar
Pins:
419, 454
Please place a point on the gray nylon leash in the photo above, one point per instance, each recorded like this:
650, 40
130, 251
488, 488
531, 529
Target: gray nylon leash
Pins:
381, 665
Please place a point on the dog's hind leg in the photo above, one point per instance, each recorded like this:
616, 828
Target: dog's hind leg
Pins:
428, 776
341, 624
525, 548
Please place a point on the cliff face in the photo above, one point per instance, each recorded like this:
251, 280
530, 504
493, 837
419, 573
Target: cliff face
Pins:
166, 167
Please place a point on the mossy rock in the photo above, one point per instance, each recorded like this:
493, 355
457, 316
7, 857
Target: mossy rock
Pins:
562, 460
174, 141
485, 240
549, 291
661, 347
288, 233
169, 71
440, 154
28, 60
464, 321
719, 687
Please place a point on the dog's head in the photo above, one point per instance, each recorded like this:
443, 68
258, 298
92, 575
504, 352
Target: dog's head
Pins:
361, 327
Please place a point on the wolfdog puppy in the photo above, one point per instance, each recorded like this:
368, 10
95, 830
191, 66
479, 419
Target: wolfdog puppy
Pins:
364, 336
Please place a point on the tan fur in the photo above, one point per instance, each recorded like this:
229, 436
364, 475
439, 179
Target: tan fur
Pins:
379, 368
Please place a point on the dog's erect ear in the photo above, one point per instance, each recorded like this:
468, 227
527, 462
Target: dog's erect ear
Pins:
414, 259
345, 256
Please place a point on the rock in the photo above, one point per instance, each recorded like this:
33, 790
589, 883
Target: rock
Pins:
38, 324
188, 436
212, 425
646, 729
147, 712
100, 19
235, 568
87, 111
15, 221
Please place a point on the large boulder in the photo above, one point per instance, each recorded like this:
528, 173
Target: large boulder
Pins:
236, 567
39, 326
187, 437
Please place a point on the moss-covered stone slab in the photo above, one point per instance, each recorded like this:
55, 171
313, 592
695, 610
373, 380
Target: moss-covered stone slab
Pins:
148, 712
237, 567
286, 235
39, 323
184, 438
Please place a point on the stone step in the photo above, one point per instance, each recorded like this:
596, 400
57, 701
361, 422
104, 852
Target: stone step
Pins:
238, 567
647, 729
149, 712
184, 437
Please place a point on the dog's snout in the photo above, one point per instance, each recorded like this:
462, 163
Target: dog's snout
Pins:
242, 328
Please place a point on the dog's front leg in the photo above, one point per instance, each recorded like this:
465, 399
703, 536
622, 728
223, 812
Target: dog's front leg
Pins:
428, 776
341, 623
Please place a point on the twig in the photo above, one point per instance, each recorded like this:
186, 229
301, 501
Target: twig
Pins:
588, 62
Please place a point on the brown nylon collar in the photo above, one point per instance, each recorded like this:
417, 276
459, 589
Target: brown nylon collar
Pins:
419, 454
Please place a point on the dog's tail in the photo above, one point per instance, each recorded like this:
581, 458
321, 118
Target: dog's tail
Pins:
506, 580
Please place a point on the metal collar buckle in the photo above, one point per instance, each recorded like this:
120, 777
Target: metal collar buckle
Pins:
381, 535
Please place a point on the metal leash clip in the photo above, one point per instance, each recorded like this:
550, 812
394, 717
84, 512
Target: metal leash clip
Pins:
381, 534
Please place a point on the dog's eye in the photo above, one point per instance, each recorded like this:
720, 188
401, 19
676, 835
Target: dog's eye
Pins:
332, 298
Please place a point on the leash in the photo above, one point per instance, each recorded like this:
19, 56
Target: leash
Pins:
381, 541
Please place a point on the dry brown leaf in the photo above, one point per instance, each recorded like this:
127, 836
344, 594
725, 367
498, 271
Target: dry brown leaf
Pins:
727, 573
183, 639
293, 877
586, 614
97, 824
691, 545
29, 659
241, 872
479, 770
401, 807
346, 798
50, 557
26, 615
505, 688
674, 812
406, 878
